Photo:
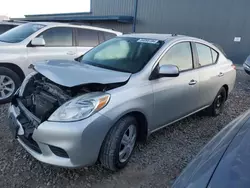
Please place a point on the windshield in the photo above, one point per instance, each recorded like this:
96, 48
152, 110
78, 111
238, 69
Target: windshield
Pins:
123, 54
20, 33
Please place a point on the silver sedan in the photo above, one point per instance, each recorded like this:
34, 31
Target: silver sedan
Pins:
75, 113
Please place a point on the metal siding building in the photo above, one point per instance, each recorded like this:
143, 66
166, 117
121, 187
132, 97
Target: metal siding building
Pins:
216, 21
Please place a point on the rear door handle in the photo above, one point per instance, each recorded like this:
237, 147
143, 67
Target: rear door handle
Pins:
192, 82
71, 53
221, 74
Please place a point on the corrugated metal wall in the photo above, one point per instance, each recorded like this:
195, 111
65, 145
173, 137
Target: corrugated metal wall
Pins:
113, 7
213, 20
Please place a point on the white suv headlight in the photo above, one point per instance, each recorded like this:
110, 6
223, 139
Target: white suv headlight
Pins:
80, 108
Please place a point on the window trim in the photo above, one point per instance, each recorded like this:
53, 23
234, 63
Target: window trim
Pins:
166, 51
197, 55
29, 45
214, 62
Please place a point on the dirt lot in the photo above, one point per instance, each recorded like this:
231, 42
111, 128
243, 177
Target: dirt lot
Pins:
153, 164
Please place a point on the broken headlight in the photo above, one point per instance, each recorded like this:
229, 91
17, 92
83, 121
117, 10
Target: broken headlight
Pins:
80, 108
25, 81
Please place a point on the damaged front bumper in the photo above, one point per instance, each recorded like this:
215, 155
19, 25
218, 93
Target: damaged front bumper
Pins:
65, 144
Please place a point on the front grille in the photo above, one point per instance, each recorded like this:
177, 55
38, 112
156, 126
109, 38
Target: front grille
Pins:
30, 143
58, 151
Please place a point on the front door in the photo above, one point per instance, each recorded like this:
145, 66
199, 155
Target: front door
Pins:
176, 97
58, 45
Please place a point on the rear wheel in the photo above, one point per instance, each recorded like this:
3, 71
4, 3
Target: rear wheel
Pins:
218, 105
119, 144
9, 82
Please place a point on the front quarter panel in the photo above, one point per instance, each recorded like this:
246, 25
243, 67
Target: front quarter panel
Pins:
82, 140
15, 54
135, 96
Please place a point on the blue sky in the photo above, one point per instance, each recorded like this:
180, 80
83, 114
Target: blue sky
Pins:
19, 8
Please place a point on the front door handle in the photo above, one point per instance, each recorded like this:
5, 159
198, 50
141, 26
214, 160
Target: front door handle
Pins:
71, 53
221, 74
192, 82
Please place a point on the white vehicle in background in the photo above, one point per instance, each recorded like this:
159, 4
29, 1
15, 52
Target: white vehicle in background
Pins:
7, 25
39, 41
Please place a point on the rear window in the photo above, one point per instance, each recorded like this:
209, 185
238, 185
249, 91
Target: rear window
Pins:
104, 36
87, 37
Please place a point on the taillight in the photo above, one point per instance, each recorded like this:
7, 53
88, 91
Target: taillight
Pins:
233, 66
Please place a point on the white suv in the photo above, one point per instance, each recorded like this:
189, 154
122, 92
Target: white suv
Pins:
33, 42
6, 25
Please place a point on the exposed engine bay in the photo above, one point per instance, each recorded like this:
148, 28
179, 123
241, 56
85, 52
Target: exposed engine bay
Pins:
41, 97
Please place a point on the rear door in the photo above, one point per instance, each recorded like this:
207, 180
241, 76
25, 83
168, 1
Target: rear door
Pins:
210, 74
58, 45
176, 97
86, 39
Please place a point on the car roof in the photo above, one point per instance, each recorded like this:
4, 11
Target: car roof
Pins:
165, 37
9, 23
50, 23
56, 24
162, 37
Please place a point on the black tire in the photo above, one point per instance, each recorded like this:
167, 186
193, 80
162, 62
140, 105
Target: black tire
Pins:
214, 109
16, 79
109, 154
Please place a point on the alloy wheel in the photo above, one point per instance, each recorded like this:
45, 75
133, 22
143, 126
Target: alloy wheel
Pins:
127, 143
219, 103
7, 87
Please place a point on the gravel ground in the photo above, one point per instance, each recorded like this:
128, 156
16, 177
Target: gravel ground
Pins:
153, 164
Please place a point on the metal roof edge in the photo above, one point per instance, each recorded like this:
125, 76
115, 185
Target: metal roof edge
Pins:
118, 18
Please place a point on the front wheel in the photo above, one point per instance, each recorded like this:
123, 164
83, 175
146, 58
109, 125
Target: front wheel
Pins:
9, 82
218, 105
119, 144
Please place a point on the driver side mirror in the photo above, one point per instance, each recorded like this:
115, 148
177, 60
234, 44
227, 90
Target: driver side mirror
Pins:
168, 71
38, 42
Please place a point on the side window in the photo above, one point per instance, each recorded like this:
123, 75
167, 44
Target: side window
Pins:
58, 37
104, 36
108, 36
87, 38
214, 55
179, 55
204, 54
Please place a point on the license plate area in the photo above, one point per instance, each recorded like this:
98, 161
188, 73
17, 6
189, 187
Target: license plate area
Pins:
14, 126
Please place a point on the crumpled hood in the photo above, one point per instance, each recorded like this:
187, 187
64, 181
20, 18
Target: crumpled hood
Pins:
72, 73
